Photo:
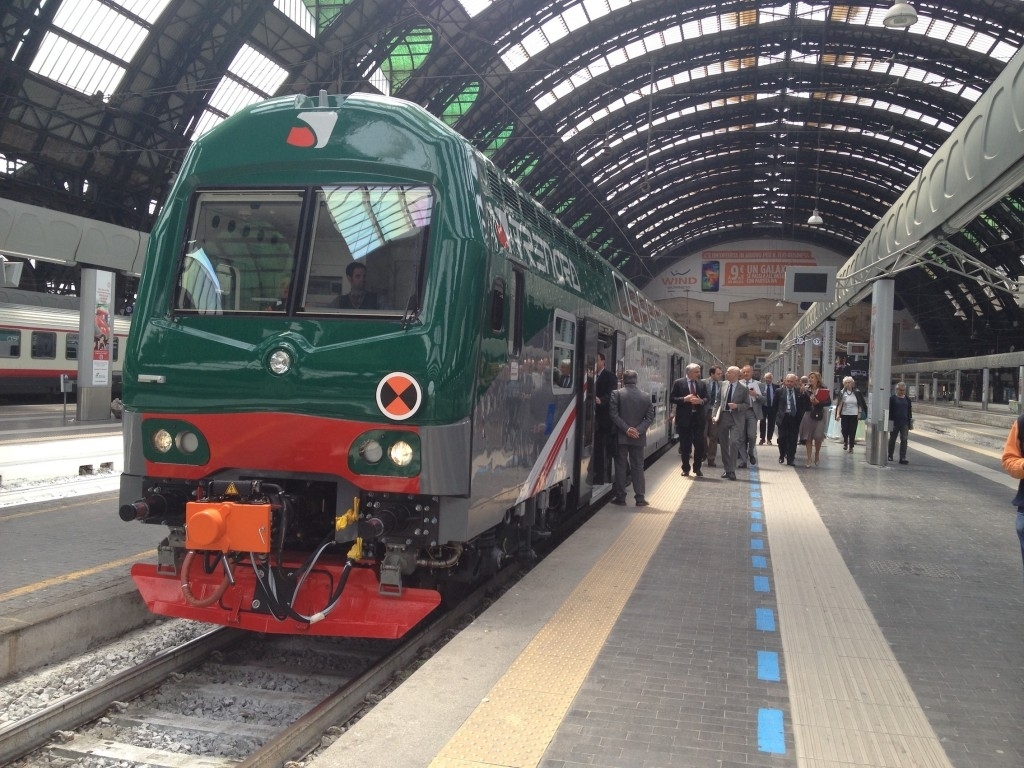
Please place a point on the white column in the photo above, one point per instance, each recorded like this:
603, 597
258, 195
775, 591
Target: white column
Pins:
879, 370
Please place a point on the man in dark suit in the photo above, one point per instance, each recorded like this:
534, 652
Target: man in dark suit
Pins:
605, 442
563, 376
690, 395
788, 413
632, 413
766, 427
714, 385
731, 417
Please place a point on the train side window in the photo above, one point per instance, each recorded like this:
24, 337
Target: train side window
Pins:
71, 346
497, 305
634, 306
564, 350
517, 299
10, 342
645, 312
44, 345
620, 291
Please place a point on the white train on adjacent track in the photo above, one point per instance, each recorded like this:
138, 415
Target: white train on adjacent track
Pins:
39, 343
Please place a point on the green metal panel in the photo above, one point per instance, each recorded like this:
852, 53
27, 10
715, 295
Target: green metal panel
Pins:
219, 363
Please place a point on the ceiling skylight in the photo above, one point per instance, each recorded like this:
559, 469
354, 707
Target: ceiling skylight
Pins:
251, 78
297, 11
93, 42
545, 34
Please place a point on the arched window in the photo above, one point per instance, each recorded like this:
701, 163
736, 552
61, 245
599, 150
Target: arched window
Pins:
408, 53
460, 104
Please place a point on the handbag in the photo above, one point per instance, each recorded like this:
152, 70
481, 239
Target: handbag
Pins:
863, 414
817, 407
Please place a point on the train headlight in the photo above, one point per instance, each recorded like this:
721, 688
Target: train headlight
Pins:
371, 451
386, 453
162, 440
174, 441
401, 453
279, 362
187, 442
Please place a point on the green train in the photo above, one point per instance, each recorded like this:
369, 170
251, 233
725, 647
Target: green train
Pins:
358, 370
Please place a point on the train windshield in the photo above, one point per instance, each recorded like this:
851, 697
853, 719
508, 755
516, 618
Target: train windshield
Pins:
359, 251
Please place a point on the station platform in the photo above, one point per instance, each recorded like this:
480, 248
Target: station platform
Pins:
843, 615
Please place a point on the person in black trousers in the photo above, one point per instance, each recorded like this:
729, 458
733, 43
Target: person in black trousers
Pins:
787, 417
605, 441
690, 396
766, 427
901, 414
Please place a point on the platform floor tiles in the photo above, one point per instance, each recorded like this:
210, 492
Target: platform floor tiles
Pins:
721, 626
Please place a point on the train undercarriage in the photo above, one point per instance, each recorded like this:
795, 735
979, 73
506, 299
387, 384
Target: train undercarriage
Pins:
290, 557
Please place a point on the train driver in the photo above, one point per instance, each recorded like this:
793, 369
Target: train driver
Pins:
357, 297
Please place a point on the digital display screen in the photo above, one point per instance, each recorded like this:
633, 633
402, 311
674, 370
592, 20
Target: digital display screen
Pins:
810, 282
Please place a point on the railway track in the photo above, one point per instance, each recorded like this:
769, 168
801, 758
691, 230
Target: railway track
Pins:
227, 698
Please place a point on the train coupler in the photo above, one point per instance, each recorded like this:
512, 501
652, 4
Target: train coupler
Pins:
391, 573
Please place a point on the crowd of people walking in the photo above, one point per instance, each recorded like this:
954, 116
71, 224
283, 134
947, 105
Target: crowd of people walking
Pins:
725, 416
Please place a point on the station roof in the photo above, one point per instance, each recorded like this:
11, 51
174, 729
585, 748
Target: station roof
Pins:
653, 128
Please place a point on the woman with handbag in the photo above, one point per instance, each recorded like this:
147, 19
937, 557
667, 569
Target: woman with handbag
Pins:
850, 408
812, 428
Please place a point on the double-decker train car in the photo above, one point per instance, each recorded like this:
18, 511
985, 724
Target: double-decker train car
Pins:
39, 343
358, 372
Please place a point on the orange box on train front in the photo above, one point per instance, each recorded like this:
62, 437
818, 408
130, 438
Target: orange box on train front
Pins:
226, 526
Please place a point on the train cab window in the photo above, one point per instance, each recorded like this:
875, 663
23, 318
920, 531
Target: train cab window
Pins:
44, 345
369, 247
10, 342
564, 349
239, 246
71, 346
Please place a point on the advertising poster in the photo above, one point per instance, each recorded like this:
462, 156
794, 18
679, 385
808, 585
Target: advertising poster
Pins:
710, 276
101, 339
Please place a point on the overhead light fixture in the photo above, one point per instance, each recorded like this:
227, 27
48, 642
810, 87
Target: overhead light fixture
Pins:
815, 219
900, 16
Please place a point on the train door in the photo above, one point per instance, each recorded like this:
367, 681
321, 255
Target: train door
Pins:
585, 416
675, 372
618, 358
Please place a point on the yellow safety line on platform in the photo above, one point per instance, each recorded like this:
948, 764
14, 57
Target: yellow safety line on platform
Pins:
28, 588
850, 702
515, 723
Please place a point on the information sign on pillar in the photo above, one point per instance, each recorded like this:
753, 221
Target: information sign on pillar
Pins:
95, 333
95, 328
828, 352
